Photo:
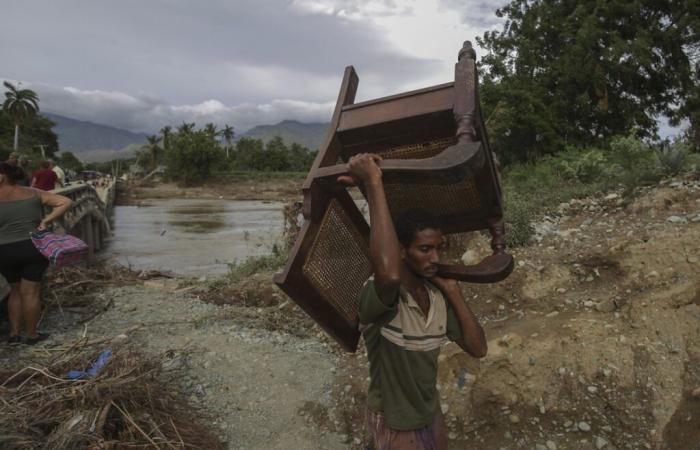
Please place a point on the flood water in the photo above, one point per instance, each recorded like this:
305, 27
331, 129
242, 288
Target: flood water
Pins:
192, 237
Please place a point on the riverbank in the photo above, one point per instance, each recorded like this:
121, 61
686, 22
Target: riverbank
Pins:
286, 188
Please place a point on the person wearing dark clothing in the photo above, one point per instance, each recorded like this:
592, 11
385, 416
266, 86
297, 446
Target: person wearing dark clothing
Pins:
22, 212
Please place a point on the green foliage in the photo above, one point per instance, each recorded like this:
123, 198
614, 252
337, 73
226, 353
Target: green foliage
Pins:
583, 166
35, 132
674, 156
535, 187
68, 161
192, 156
251, 266
564, 73
275, 156
519, 214
633, 162
20, 105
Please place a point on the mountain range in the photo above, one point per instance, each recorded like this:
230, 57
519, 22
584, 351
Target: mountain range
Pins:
98, 142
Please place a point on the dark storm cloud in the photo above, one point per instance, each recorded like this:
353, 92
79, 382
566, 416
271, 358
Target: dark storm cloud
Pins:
189, 51
141, 65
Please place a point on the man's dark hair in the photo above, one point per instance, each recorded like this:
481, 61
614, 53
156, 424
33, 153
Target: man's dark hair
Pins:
13, 173
413, 221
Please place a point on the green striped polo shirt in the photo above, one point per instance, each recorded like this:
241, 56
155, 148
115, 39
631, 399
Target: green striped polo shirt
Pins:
403, 347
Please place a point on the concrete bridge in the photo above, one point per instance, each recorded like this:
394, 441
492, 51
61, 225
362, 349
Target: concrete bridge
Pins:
87, 218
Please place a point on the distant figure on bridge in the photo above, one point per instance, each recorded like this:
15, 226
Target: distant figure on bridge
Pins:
24, 165
44, 178
60, 174
22, 212
13, 159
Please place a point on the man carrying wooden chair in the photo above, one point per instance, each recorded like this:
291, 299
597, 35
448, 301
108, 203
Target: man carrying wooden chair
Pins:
406, 314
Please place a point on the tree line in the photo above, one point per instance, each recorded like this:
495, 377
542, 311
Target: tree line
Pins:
192, 155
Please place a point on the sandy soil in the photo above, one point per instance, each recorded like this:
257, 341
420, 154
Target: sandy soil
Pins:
594, 342
273, 190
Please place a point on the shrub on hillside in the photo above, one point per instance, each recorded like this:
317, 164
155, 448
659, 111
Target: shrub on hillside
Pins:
585, 166
633, 161
518, 214
673, 156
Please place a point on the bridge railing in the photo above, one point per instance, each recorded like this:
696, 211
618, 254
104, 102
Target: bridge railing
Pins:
87, 217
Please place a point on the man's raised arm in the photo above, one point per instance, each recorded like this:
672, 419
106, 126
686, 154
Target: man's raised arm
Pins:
384, 247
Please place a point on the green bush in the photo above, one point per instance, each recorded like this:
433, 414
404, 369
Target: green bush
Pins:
581, 165
633, 161
519, 214
674, 156
239, 270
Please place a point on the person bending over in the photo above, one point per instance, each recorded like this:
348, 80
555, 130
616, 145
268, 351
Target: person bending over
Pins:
21, 212
407, 312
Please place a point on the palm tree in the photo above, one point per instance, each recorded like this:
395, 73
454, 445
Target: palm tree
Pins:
165, 132
228, 135
185, 128
210, 129
153, 149
20, 104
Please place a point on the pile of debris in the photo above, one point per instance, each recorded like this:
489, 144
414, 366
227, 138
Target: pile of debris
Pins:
87, 397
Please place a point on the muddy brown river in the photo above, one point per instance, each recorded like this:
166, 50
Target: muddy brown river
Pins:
192, 237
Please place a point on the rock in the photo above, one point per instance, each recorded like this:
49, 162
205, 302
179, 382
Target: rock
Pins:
470, 257
568, 424
589, 304
606, 306
514, 418
120, 339
551, 445
696, 393
583, 426
587, 222
540, 447
695, 219
692, 259
592, 389
452, 435
676, 219
611, 196
600, 442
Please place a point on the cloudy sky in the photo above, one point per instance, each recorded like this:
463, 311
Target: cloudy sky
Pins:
140, 65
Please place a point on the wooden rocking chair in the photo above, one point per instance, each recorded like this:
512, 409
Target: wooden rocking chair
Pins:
436, 157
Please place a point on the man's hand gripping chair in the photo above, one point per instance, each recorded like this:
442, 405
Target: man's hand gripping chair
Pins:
436, 156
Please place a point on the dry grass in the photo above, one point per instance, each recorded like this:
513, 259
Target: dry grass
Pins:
131, 403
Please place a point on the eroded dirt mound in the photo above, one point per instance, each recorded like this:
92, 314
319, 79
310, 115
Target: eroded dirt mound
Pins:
594, 340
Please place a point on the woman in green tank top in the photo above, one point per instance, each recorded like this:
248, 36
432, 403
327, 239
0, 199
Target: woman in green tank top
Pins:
21, 264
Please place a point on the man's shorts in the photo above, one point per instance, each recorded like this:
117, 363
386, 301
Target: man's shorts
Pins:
21, 260
432, 437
